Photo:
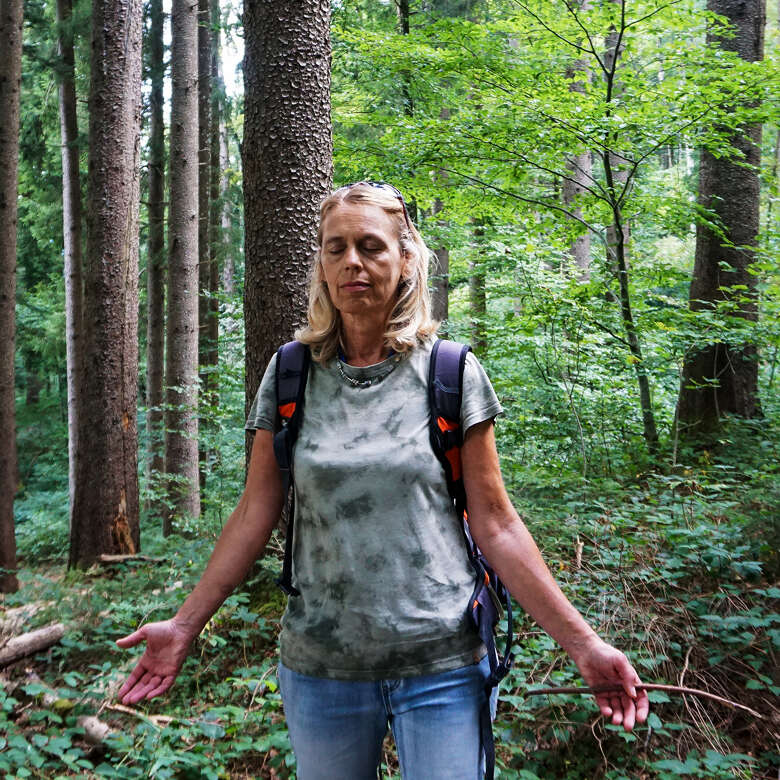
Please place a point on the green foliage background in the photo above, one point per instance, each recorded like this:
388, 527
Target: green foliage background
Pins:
679, 560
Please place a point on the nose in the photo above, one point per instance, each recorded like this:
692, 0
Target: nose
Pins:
351, 256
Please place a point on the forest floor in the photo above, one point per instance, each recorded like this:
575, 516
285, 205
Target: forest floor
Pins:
679, 567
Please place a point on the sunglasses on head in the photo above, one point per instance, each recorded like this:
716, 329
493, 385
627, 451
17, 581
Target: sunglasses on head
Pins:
380, 185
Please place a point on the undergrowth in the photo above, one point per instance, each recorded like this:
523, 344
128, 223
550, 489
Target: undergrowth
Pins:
679, 568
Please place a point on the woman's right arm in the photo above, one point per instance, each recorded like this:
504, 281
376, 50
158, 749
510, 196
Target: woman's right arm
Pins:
241, 542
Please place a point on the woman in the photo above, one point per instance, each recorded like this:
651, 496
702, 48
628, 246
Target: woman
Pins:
379, 631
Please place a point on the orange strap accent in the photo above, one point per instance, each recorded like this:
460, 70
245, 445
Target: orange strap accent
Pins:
453, 456
446, 425
287, 410
487, 579
475, 604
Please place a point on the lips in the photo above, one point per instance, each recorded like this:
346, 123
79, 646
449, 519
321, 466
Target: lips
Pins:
355, 286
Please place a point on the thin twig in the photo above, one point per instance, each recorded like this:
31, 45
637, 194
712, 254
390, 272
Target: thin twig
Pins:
646, 687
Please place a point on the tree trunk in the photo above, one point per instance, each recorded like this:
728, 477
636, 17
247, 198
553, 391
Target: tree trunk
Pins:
155, 269
618, 234
105, 507
287, 157
440, 276
204, 224
721, 377
181, 413
228, 263
71, 233
216, 238
579, 168
10, 85
478, 297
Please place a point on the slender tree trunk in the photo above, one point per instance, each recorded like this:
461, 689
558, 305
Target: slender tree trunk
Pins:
155, 271
105, 507
228, 262
580, 170
10, 85
618, 234
204, 224
478, 296
287, 156
440, 276
71, 232
181, 381
722, 377
216, 239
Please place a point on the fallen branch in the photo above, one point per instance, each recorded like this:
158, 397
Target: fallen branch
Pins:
106, 558
646, 687
158, 721
32, 642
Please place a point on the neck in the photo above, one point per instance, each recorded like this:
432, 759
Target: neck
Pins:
364, 341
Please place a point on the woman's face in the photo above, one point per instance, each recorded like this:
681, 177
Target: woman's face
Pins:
361, 260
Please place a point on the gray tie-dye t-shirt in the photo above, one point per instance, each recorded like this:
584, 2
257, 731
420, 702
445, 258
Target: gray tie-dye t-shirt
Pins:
379, 556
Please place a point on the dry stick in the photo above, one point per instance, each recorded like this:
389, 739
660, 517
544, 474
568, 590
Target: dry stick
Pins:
646, 687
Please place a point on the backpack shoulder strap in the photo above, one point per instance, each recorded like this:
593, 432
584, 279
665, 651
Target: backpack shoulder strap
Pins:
445, 394
292, 371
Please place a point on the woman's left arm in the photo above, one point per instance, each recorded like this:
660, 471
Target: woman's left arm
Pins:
512, 552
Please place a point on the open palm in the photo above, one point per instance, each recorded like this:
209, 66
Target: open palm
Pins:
166, 649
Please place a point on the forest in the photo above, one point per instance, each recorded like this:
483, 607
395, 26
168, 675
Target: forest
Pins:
598, 183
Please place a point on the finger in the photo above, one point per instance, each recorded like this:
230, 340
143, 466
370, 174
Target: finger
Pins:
603, 703
629, 713
629, 679
161, 688
642, 707
617, 710
130, 682
131, 640
141, 687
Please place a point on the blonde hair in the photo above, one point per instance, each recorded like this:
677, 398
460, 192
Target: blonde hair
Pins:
410, 321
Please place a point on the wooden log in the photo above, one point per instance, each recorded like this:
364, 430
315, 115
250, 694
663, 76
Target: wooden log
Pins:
31, 642
106, 558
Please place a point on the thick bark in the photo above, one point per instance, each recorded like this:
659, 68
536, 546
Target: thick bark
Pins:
204, 222
287, 157
181, 413
71, 233
720, 377
105, 506
155, 269
10, 84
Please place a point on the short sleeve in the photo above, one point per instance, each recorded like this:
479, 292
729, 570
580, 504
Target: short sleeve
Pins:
480, 401
263, 411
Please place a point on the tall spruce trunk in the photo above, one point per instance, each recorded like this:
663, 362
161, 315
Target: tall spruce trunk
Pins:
287, 158
204, 228
722, 377
181, 379
105, 507
10, 85
71, 233
156, 265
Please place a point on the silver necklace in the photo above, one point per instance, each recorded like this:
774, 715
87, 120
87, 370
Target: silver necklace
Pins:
363, 383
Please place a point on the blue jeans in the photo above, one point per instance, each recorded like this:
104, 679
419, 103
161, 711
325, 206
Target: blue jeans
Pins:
337, 726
